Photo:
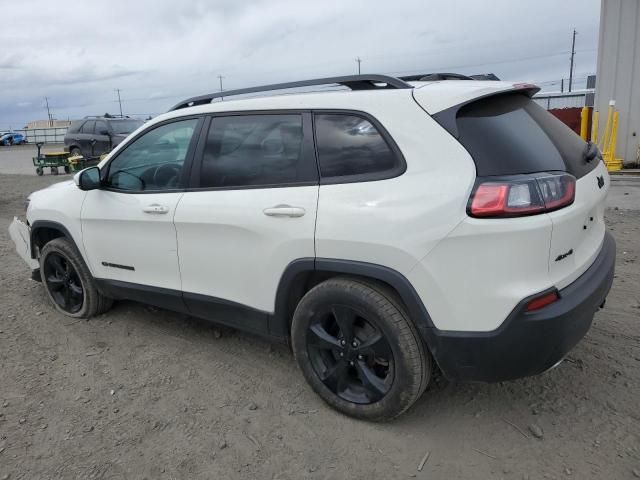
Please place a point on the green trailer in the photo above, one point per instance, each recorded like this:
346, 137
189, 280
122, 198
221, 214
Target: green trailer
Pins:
51, 160
63, 160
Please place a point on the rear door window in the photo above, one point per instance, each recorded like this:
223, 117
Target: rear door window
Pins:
255, 150
88, 126
101, 127
511, 134
352, 146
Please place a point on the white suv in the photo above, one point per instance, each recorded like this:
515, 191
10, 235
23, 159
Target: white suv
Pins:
382, 230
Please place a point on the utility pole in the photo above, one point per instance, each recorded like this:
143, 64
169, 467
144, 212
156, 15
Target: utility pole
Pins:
573, 53
562, 85
359, 60
220, 77
119, 101
46, 99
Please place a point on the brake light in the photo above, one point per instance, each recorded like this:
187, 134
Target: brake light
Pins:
521, 195
542, 301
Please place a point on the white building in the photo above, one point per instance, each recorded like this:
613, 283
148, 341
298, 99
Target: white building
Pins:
618, 76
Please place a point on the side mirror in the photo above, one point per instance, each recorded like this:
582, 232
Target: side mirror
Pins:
88, 179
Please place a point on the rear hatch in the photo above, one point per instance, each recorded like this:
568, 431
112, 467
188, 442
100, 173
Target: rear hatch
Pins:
509, 136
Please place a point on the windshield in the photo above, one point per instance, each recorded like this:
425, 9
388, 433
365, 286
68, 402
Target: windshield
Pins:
121, 127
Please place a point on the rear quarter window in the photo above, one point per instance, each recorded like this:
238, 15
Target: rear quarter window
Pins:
511, 134
353, 148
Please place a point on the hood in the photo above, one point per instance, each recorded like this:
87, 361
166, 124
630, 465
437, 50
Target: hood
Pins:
56, 186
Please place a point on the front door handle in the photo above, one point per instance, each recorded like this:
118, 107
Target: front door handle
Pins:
284, 211
156, 208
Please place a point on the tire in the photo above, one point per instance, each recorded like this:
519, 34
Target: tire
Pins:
67, 169
54, 170
62, 269
387, 366
75, 151
39, 171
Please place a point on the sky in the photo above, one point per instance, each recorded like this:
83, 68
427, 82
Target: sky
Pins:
158, 52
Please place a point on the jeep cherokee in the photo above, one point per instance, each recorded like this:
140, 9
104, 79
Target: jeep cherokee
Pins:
383, 229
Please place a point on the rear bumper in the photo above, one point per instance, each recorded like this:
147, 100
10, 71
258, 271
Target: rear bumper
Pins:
528, 343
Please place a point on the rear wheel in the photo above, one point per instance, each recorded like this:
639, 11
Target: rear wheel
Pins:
39, 171
68, 282
75, 151
358, 349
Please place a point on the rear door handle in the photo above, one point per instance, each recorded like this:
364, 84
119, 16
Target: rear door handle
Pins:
156, 208
284, 211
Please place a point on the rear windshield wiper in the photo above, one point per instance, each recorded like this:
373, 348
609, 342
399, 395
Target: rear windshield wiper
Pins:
590, 152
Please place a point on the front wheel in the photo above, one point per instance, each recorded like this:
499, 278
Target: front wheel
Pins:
68, 282
358, 349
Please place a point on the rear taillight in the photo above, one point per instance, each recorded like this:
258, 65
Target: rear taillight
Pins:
521, 195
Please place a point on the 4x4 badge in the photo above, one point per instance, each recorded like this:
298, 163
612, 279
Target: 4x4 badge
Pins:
601, 181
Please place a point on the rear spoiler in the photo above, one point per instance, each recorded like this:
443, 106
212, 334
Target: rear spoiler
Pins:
447, 118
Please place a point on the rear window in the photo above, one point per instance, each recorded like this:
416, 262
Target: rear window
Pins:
511, 134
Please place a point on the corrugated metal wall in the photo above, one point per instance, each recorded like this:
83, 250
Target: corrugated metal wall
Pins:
619, 72
553, 101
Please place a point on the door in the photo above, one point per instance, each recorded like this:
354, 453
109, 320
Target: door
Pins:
85, 135
127, 226
102, 136
251, 213
82, 137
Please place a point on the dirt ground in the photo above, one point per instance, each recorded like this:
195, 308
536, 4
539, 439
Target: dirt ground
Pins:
146, 393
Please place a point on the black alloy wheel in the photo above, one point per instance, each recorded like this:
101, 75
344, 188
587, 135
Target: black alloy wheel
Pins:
63, 283
358, 348
350, 354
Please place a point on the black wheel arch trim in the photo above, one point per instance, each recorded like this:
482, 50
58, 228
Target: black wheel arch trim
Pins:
40, 224
280, 321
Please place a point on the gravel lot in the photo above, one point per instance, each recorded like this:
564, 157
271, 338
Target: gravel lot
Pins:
17, 159
146, 393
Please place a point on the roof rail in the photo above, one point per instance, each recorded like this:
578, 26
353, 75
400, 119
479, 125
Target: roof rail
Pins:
354, 82
112, 116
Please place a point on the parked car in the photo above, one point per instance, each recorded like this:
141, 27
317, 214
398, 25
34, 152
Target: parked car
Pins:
107, 132
382, 232
12, 138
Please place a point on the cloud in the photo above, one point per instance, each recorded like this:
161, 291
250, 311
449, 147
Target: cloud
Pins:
160, 51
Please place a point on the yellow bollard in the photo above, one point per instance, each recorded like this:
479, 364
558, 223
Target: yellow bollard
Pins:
584, 122
613, 164
614, 136
594, 126
607, 126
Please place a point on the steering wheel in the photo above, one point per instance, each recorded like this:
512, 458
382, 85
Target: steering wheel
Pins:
166, 175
